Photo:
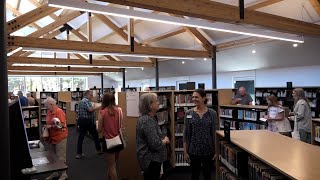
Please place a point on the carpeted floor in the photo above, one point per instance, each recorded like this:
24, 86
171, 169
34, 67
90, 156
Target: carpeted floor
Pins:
92, 166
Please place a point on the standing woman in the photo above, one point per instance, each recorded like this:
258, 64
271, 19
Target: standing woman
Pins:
58, 133
110, 122
199, 136
151, 142
303, 114
277, 122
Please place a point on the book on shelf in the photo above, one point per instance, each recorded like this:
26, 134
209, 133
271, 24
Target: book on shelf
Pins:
27, 123
250, 115
162, 117
180, 113
224, 173
209, 99
26, 114
180, 160
178, 143
317, 134
179, 128
33, 114
240, 114
34, 122
250, 126
234, 158
232, 124
163, 101
183, 100
225, 112
259, 170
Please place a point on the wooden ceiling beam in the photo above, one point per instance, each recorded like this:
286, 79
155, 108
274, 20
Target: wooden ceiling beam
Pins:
240, 43
263, 4
62, 69
316, 5
102, 47
163, 36
29, 17
53, 73
82, 62
17, 13
37, 4
112, 26
215, 11
199, 38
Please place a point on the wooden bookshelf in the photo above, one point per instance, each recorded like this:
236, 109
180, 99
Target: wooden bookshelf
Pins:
291, 158
284, 95
32, 122
315, 132
70, 115
43, 96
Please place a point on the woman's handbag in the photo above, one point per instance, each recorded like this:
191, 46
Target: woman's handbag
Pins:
118, 140
295, 133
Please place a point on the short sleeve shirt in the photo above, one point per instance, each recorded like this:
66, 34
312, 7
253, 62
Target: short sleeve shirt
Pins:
83, 112
245, 100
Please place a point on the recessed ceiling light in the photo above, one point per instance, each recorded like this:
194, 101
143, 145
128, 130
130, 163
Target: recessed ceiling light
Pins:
125, 71
205, 59
142, 68
295, 45
182, 62
253, 51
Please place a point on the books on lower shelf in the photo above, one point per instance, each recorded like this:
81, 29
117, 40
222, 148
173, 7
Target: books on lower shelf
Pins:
250, 126
178, 129
259, 170
224, 173
180, 160
232, 124
180, 112
178, 143
226, 113
234, 158
162, 117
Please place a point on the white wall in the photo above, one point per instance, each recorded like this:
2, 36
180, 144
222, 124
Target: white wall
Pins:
96, 81
299, 76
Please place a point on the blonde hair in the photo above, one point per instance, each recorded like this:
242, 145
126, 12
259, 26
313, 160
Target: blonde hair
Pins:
145, 103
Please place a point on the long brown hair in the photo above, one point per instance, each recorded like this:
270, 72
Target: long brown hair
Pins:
274, 101
300, 94
109, 102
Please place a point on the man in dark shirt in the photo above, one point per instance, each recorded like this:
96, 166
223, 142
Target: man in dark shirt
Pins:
23, 100
242, 97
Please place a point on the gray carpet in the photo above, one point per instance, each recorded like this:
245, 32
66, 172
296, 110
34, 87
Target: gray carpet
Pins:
93, 167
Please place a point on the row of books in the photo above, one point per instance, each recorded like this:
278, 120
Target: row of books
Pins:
225, 174
250, 115
232, 124
180, 112
163, 101
178, 128
163, 117
234, 158
226, 112
259, 170
251, 126
180, 160
34, 123
317, 134
30, 114
44, 95
276, 93
186, 99
62, 105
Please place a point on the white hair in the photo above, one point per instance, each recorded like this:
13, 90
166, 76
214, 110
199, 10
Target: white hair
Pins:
50, 100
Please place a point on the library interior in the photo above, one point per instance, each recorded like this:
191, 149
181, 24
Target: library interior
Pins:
160, 90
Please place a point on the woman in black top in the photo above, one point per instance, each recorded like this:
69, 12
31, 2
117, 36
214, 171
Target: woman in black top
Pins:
199, 136
151, 142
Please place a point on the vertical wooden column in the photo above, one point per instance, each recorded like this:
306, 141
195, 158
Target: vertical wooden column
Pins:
214, 67
123, 79
157, 74
4, 128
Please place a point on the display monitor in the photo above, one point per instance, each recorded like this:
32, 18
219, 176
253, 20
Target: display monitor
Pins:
19, 149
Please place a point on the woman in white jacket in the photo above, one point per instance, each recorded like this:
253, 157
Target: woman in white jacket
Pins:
277, 122
302, 111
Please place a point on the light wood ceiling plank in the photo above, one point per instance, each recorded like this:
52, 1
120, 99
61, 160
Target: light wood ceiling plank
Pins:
263, 4
316, 5
215, 11
163, 36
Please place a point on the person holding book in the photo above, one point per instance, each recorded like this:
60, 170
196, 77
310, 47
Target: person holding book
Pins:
302, 112
242, 97
58, 133
151, 141
277, 122
109, 123
199, 136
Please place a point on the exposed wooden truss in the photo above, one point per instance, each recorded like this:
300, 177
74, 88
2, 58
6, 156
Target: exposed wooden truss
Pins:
215, 11
163, 36
71, 62
263, 4
62, 69
241, 42
316, 5
17, 13
29, 18
101, 47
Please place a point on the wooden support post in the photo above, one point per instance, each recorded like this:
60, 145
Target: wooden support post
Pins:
214, 67
157, 74
4, 128
123, 79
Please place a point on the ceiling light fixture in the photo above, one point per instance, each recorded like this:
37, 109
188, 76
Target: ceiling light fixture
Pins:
182, 62
128, 13
142, 68
295, 45
105, 53
205, 59
253, 51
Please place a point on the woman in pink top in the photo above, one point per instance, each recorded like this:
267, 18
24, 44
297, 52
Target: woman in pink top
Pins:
110, 115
